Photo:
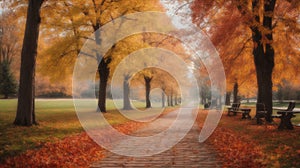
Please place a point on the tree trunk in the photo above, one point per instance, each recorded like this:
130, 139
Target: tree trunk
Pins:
103, 70
148, 87
264, 56
25, 111
168, 100
126, 91
227, 101
163, 99
171, 99
235, 93
280, 94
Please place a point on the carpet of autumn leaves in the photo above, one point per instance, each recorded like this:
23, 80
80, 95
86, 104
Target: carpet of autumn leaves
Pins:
73, 151
236, 151
239, 143
243, 143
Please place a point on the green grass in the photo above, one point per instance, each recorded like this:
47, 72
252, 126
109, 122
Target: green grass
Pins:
56, 118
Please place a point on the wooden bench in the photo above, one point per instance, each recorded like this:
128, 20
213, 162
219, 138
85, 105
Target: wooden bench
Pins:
285, 119
290, 108
286, 116
235, 108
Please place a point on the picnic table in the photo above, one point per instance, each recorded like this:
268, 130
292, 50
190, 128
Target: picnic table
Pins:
285, 119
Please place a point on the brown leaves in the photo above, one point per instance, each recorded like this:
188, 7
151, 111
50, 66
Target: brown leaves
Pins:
235, 150
74, 151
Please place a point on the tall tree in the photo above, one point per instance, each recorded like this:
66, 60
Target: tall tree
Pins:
148, 88
258, 16
235, 92
25, 112
85, 17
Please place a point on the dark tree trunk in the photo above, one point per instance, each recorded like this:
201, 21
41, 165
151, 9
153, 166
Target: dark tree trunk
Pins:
148, 87
280, 94
103, 70
126, 91
163, 99
168, 100
25, 111
175, 100
171, 99
235, 93
264, 56
227, 101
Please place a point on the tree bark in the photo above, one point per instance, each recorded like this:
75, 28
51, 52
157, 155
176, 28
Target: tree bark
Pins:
163, 99
235, 93
227, 101
103, 70
126, 91
264, 56
148, 87
168, 100
171, 98
25, 111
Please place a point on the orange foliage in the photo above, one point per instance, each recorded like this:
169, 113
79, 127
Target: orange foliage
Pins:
73, 151
235, 150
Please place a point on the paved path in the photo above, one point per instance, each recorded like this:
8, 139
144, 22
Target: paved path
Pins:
187, 153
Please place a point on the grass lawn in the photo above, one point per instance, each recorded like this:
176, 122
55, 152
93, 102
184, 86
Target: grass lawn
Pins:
57, 119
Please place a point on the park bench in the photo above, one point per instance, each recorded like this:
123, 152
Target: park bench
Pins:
235, 108
290, 108
286, 116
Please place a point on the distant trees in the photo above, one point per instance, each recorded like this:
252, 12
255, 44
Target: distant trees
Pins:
286, 91
8, 50
8, 84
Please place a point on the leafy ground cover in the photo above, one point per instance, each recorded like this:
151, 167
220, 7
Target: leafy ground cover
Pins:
57, 121
59, 140
242, 143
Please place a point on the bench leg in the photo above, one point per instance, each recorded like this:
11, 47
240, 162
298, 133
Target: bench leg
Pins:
285, 122
248, 116
259, 121
243, 115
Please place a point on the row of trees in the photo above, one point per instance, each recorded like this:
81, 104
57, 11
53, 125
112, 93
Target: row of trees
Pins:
248, 35
237, 28
72, 22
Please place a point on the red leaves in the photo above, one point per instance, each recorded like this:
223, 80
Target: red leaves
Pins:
73, 151
235, 150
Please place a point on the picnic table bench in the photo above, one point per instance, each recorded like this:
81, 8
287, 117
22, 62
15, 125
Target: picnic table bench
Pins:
285, 119
286, 116
235, 108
